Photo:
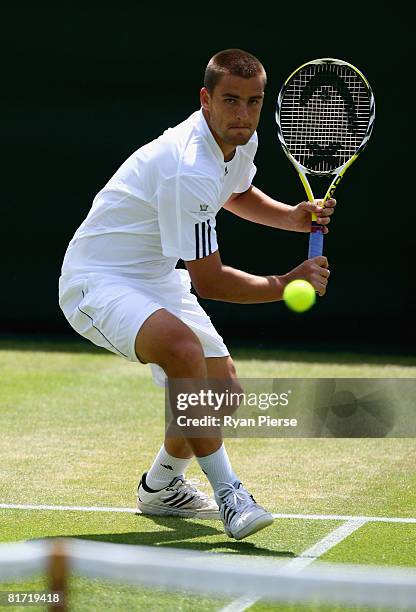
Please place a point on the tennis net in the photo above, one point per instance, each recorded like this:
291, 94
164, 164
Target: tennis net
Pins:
214, 574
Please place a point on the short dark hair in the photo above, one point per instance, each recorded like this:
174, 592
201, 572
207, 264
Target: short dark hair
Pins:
232, 61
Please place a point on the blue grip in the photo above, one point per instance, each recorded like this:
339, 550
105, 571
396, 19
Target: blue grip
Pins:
316, 242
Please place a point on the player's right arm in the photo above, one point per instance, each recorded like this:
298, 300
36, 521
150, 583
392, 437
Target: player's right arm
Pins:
212, 280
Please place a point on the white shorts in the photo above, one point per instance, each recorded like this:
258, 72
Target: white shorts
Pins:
110, 310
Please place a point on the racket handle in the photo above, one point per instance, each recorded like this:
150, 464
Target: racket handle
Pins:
316, 240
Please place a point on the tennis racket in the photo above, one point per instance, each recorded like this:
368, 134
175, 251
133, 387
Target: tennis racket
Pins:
325, 115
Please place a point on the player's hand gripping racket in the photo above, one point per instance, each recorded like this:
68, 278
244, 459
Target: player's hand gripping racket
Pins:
325, 115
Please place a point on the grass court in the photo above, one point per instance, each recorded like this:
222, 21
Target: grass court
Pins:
78, 426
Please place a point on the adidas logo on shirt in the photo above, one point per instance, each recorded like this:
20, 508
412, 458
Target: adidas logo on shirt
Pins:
203, 246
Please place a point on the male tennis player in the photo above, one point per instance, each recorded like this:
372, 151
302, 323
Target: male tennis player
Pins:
120, 289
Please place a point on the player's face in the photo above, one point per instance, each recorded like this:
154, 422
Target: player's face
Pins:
233, 109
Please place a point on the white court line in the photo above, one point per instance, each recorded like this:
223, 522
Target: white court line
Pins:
342, 517
305, 558
70, 508
310, 517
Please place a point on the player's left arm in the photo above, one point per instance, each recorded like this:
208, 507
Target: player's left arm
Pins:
254, 205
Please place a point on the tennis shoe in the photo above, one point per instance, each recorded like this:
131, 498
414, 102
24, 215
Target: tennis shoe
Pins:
239, 512
180, 498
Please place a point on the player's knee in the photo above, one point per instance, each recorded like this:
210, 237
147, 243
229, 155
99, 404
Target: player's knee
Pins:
185, 358
188, 350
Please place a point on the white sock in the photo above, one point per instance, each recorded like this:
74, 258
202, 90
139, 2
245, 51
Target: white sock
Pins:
164, 469
217, 468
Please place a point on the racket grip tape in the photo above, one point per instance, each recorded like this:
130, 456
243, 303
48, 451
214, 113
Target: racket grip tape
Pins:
316, 241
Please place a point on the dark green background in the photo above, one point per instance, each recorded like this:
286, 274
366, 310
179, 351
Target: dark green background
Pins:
82, 89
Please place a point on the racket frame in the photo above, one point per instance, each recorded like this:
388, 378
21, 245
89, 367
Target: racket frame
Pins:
316, 235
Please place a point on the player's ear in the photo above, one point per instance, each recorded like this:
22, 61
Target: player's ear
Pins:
204, 98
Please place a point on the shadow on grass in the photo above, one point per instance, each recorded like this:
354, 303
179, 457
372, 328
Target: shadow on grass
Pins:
184, 533
334, 354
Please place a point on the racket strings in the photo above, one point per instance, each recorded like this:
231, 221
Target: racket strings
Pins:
324, 115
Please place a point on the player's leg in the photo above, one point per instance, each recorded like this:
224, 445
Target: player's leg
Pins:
165, 340
216, 465
239, 511
175, 454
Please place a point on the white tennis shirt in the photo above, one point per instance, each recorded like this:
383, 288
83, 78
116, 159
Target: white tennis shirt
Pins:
160, 205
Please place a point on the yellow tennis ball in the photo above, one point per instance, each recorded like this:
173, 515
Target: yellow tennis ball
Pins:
299, 295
